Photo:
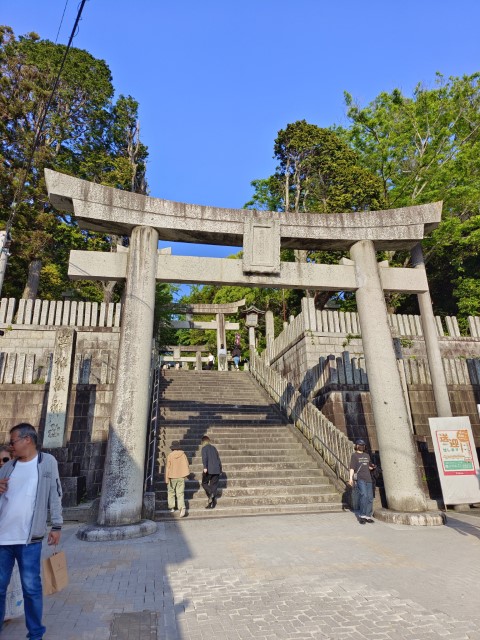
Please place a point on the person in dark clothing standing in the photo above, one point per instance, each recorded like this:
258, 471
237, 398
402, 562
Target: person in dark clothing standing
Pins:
360, 468
212, 468
236, 355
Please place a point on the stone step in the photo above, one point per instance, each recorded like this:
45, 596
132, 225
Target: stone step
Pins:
254, 480
235, 512
239, 446
244, 449
260, 475
300, 491
192, 431
256, 466
259, 500
233, 441
197, 425
266, 469
259, 457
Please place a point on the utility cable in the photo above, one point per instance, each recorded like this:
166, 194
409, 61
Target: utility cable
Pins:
61, 21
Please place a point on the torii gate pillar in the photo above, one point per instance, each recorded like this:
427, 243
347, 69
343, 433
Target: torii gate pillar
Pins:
122, 489
402, 481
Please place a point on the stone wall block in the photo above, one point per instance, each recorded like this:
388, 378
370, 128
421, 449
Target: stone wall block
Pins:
81, 314
19, 368
110, 312
102, 315
10, 368
94, 315
118, 314
348, 323
61, 454
438, 322
3, 310
20, 317
36, 311
73, 313
28, 312
59, 313
12, 305
52, 308
74, 490
87, 318
42, 320
66, 313
347, 366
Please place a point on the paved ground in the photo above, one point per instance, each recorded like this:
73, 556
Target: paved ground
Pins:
280, 577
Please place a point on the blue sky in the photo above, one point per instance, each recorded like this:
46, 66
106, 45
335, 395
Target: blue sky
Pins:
217, 79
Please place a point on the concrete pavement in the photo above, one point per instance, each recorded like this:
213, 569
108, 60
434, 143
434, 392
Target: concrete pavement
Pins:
280, 577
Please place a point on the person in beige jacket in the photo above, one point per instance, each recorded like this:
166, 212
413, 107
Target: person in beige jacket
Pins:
176, 471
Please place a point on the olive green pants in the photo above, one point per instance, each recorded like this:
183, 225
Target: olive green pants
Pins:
176, 487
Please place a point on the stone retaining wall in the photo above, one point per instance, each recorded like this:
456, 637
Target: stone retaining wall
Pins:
26, 361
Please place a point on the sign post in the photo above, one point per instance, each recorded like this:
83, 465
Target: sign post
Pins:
457, 460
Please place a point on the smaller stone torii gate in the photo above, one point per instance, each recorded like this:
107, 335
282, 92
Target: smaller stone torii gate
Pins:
219, 324
262, 234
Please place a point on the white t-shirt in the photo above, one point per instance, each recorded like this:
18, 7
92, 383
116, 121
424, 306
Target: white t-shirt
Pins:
17, 504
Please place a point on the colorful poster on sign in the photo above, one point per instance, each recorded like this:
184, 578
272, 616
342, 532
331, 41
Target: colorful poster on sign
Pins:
457, 460
456, 452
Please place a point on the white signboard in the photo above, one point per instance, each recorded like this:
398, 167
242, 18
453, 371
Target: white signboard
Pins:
457, 459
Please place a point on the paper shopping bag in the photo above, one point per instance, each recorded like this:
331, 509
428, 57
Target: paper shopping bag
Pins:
55, 574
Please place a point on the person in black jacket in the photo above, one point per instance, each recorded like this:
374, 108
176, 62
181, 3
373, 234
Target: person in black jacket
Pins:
212, 468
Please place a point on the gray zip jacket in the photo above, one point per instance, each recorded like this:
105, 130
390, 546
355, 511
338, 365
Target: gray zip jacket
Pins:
49, 495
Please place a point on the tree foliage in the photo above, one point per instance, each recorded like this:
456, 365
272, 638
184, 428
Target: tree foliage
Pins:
317, 172
425, 148
85, 134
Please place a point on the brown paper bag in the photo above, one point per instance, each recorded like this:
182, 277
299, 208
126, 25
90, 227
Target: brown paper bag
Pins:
55, 574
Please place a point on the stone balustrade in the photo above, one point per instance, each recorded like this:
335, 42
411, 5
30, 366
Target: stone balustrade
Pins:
346, 325
67, 313
334, 447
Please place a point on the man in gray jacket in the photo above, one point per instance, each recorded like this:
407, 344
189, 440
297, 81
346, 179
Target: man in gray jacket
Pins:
29, 486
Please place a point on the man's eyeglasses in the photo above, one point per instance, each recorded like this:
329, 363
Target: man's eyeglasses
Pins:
12, 442
5, 459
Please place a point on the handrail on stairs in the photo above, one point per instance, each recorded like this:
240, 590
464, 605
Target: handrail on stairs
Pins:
332, 445
153, 427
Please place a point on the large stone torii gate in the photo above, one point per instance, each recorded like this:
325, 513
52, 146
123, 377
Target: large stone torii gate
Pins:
262, 234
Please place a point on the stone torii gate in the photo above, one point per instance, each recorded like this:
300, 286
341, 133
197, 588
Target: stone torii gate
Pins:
219, 324
262, 234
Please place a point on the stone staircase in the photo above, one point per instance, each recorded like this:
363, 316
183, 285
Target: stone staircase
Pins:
266, 468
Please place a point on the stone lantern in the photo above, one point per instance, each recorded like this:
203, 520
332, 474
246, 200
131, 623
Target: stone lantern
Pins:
251, 321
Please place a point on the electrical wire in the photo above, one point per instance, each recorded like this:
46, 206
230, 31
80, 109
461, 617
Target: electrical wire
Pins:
29, 163
61, 21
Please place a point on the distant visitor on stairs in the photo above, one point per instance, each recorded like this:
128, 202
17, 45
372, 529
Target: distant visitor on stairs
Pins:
212, 468
222, 358
176, 471
236, 355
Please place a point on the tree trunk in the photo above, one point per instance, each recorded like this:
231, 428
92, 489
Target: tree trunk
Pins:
108, 286
33, 281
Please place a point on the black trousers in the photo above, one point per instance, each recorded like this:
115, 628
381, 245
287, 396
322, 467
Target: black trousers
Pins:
210, 484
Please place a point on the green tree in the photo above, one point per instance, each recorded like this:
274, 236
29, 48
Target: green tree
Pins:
85, 134
317, 172
426, 148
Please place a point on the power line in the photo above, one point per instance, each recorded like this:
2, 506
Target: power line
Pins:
61, 21
28, 166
